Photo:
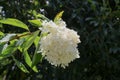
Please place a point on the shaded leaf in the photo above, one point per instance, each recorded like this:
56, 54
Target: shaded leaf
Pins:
37, 57
21, 66
116, 13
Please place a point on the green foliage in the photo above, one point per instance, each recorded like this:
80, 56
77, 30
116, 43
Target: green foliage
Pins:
12, 43
35, 23
97, 22
29, 41
58, 16
14, 22
7, 37
1, 33
28, 61
8, 50
21, 66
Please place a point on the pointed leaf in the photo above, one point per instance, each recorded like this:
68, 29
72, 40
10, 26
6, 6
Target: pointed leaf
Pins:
29, 40
14, 22
37, 56
36, 59
58, 16
21, 66
27, 58
28, 61
36, 41
7, 38
36, 22
2, 47
9, 50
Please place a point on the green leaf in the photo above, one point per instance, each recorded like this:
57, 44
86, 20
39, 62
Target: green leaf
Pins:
20, 42
1, 33
36, 41
37, 56
21, 66
58, 16
2, 47
36, 22
9, 50
29, 40
14, 22
42, 17
28, 61
7, 38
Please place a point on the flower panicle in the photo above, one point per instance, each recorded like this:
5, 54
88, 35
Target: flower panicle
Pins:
59, 47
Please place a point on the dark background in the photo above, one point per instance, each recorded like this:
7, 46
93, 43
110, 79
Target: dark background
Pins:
96, 21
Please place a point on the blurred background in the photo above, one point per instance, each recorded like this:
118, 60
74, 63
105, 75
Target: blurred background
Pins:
96, 21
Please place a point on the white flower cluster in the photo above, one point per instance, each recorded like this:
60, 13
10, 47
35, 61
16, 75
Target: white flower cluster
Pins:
60, 45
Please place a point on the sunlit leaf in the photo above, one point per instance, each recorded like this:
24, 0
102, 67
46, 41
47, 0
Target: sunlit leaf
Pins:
2, 47
36, 41
28, 61
14, 22
20, 42
1, 33
41, 16
36, 22
58, 16
29, 40
9, 50
7, 38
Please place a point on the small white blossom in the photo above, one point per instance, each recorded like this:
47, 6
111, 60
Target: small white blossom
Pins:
60, 45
